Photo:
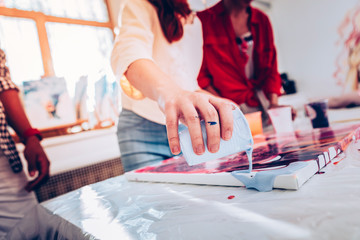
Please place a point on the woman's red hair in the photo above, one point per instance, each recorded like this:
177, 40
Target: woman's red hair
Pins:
170, 13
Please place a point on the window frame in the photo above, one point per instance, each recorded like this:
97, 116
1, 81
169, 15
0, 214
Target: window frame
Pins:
41, 19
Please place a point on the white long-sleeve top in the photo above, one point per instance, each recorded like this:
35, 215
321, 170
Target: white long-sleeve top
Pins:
141, 37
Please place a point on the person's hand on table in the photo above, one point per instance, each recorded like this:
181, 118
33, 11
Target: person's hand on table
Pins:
190, 108
37, 162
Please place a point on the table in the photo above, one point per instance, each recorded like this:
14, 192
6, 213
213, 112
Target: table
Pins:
325, 207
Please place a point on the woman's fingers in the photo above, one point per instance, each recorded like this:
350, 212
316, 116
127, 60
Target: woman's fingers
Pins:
212, 124
192, 120
217, 116
172, 122
224, 109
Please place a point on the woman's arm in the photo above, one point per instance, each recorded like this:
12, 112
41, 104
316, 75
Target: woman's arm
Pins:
132, 56
34, 153
178, 104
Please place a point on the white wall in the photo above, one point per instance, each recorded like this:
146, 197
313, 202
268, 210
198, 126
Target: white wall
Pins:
306, 36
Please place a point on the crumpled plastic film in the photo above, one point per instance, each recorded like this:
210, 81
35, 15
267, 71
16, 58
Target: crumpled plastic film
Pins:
326, 207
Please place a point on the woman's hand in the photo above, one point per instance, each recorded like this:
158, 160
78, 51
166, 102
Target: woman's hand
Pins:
190, 108
187, 106
37, 162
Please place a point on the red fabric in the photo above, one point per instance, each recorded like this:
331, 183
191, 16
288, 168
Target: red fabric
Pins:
224, 65
31, 132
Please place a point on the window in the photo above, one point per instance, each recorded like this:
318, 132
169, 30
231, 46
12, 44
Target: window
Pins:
79, 50
67, 39
91, 10
20, 40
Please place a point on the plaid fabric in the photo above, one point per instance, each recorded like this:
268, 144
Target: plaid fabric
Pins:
7, 144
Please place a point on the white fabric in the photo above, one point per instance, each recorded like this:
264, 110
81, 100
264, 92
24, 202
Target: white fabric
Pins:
15, 201
249, 67
141, 37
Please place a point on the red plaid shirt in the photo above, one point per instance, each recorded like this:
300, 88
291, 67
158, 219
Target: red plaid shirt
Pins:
224, 64
7, 144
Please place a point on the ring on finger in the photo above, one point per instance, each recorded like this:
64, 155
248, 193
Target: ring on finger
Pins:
212, 123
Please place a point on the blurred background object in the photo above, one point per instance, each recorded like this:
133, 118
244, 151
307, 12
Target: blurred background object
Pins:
288, 85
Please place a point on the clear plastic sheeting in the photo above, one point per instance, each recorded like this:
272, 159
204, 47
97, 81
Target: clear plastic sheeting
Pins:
41, 224
325, 207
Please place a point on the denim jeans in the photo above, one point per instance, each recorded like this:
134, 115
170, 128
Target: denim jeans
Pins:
142, 142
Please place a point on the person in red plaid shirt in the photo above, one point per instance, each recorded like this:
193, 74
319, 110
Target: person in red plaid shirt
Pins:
16, 196
239, 60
